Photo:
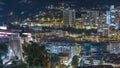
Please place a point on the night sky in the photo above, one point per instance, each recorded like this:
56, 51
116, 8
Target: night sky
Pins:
17, 7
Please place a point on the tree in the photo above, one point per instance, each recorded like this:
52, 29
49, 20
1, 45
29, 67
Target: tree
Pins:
36, 55
3, 52
101, 61
54, 59
75, 60
81, 63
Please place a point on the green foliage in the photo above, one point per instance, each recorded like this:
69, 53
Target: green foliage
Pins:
22, 65
101, 61
75, 60
36, 55
81, 63
3, 51
54, 59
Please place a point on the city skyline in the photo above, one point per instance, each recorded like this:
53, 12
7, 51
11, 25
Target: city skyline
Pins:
59, 33
29, 8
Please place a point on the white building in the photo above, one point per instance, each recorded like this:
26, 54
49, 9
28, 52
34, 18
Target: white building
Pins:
16, 46
110, 17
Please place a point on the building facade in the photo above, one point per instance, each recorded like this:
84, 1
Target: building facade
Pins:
68, 16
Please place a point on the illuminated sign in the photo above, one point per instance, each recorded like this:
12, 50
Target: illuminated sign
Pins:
3, 27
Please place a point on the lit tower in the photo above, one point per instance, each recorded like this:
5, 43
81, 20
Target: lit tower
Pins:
110, 16
112, 24
110, 19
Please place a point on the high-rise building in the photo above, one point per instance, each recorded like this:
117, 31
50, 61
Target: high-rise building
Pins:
112, 23
93, 17
111, 19
68, 16
110, 16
